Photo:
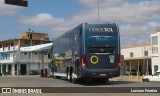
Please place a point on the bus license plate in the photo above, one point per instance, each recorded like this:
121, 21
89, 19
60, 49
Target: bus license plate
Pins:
102, 74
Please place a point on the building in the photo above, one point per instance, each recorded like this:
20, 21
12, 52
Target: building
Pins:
155, 46
11, 58
137, 58
143, 58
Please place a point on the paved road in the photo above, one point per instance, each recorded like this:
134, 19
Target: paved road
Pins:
36, 81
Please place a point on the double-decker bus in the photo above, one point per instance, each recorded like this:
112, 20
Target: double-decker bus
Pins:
89, 51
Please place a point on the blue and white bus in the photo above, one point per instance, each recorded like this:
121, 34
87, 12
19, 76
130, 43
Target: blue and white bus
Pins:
89, 51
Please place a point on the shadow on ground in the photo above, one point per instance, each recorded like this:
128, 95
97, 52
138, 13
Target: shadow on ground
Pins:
95, 83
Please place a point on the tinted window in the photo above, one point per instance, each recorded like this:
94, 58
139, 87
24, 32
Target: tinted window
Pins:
101, 49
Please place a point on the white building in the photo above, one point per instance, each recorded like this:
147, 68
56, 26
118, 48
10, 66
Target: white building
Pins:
155, 45
26, 60
13, 58
145, 58
137, 58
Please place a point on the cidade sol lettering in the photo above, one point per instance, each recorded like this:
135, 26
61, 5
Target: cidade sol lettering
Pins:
101, 29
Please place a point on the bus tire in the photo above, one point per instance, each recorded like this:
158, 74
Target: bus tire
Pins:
107, 80
104, 80
147, 80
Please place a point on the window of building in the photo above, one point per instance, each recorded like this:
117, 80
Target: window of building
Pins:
36, 43
8, 56
155, 68
155, 40
154, 50
35, 53
0, 46
25, 53
30, 55
25, 42
145, 53
131, 54
5, 56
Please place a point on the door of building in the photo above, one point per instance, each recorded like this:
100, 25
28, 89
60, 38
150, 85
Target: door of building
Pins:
23, 69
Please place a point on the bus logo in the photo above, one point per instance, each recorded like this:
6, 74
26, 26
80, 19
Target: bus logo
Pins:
101, 29
94, 59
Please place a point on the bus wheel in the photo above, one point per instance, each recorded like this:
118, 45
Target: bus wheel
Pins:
69, 76
147, 80
104, 80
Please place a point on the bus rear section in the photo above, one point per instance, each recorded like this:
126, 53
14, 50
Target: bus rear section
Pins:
101, 51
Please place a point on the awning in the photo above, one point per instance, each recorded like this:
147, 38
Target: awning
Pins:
138, 58
41, 47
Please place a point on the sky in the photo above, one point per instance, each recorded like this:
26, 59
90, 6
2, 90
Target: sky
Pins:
137, 19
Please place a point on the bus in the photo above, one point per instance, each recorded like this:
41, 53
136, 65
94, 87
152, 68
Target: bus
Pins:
88, 51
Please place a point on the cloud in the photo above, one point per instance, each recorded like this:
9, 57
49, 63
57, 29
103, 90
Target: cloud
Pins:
43, 19
137, 20
6, 9
102, 3
121, 11
132, 34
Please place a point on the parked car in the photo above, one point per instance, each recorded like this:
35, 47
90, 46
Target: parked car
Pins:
155, 77
134, 72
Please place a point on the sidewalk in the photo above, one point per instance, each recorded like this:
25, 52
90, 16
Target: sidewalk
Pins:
27, 76
128, 78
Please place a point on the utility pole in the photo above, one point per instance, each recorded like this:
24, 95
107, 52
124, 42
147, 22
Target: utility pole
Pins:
98, 10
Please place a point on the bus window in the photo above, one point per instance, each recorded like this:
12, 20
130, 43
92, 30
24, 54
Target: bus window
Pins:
101, 49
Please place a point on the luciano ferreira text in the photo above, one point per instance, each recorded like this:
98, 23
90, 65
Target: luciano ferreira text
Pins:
144, 90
